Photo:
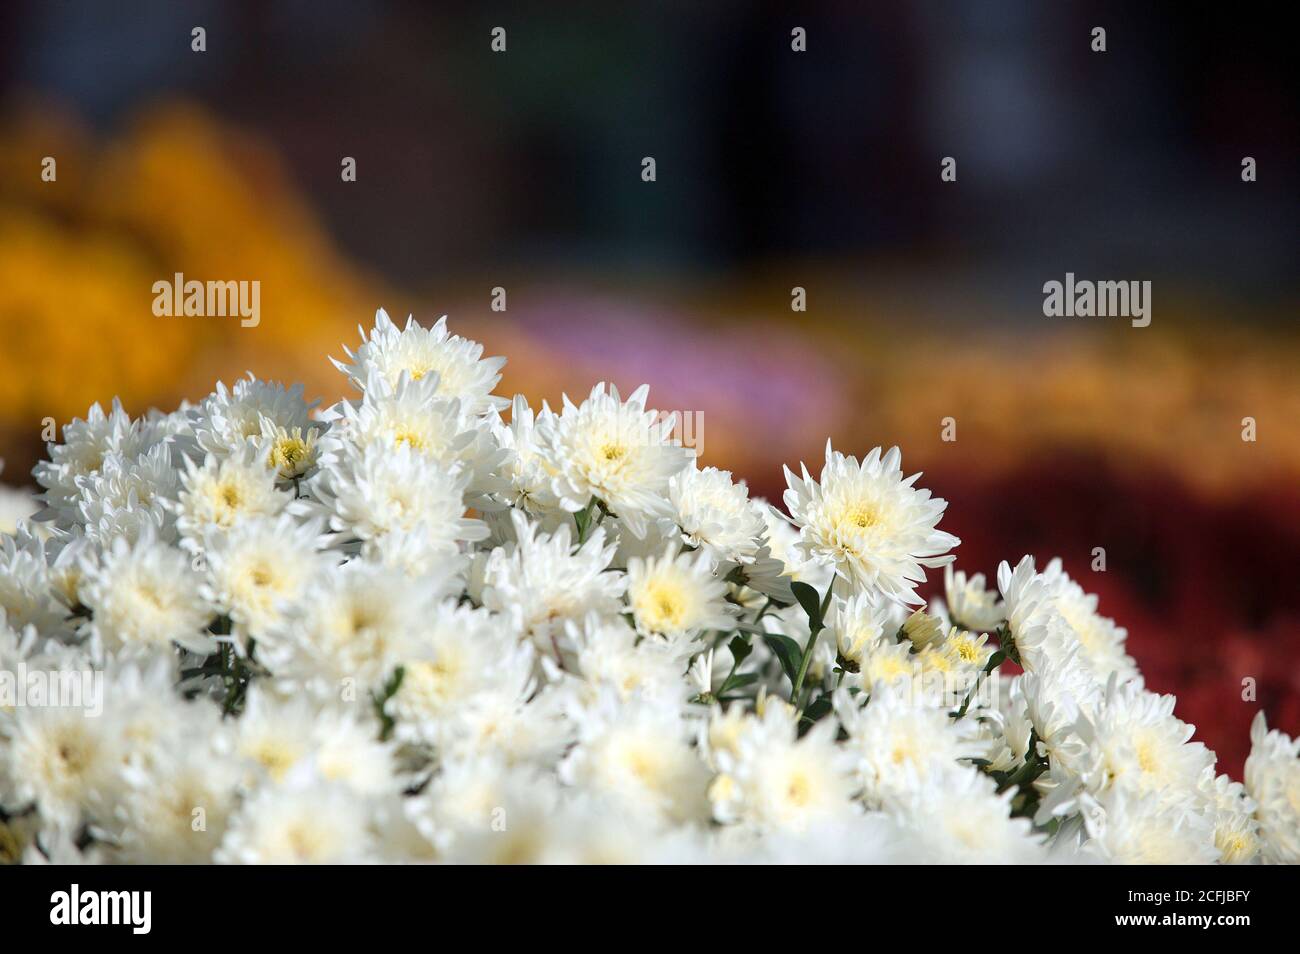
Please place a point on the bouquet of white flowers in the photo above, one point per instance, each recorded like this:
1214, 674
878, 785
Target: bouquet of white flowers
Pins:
430, 623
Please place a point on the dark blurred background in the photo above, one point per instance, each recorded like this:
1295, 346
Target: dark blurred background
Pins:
775, 169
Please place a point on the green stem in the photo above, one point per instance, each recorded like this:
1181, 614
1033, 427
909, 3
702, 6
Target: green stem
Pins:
817, 626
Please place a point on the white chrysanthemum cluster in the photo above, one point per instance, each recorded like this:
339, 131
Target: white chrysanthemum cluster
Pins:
407, 628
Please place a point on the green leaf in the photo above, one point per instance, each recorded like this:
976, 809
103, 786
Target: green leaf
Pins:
740, 649
787, 652
738, 681
581, 519
817, 709
809, 600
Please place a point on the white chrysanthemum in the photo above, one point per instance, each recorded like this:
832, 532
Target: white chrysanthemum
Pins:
259, 569
899, 744
971, 604
1273, 780
613, 657
510, 720
858, 625
310, 821
677, 595
524, 469
465, 652
615, 451
373, 493
145, 597
424, 560
871, 839
359, 623
638, 755
225, 491
230, 419
542, 583
713, 513
1135, 742
883, 662
66, 555
1008, 728
958, 817
86, 445
126, 495
484, 811
1100, 640
922, 630
532, 687
1132, 829
953, 661
1057, 694
1236, 829
56, 758
26, 595
1049, 614
413, 415
147, 717
338, 742
176, 811
274, 735
869, 522
458, 363
772, 780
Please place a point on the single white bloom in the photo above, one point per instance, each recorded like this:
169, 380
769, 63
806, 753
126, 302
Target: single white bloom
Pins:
465, 651
869, 522
259, 570
638, 755
524, 468
1134, 741
970, 604
230, 419
458, 363
677, 595
176, 811
145, 597
959, 818
27, 594
57, 758
1273, 780
615, 451
1236, 829
1131, 829
372, 493
415, 416
714, 514
772, 780
223, 492
1049, 615
542, 583
899, 744
310, 821
359, 623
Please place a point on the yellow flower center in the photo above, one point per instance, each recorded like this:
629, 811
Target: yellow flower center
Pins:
288, 452
862, 516
411, 438
229, 495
